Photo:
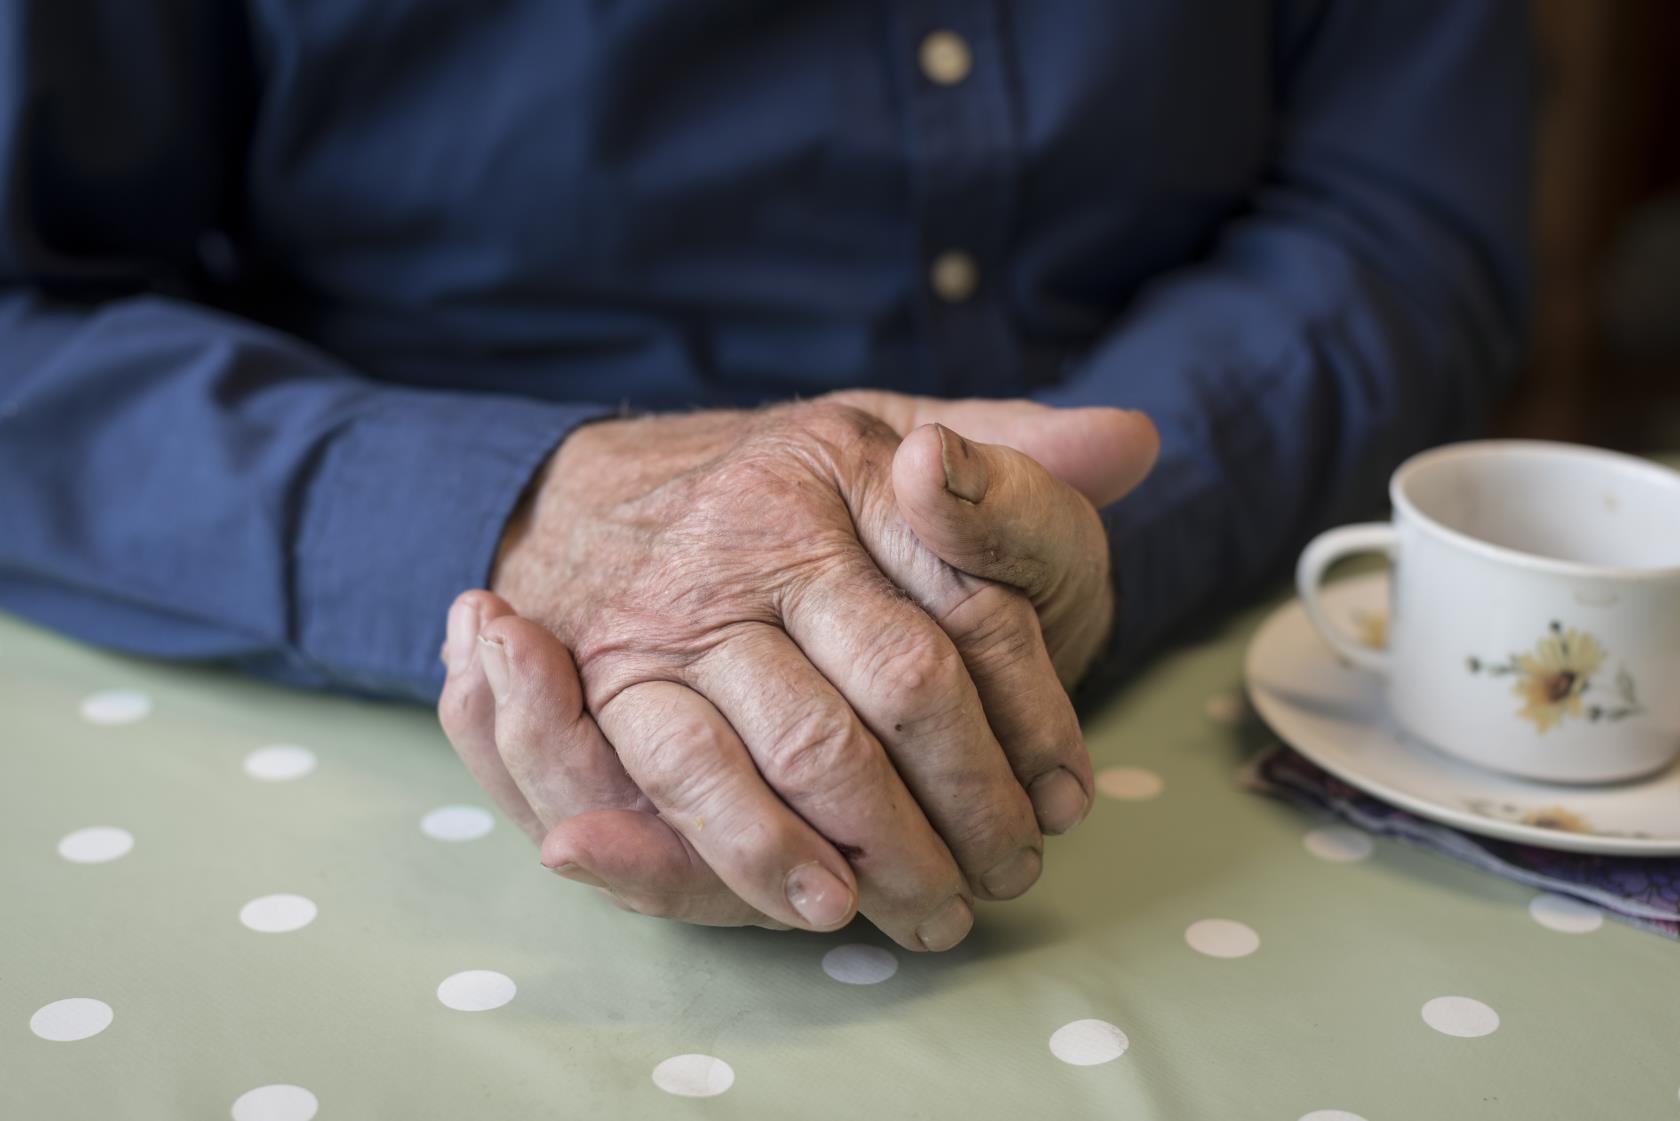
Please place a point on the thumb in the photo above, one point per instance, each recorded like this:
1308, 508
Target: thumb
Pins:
1102, 453
996, 513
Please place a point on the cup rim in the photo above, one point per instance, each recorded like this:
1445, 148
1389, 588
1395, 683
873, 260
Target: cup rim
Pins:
1516, 557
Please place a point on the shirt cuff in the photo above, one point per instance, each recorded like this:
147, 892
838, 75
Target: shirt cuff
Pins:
403, 512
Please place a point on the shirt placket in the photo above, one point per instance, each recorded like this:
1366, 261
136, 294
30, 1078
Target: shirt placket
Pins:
961, 132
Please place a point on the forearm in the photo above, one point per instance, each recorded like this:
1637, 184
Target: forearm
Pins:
180, 483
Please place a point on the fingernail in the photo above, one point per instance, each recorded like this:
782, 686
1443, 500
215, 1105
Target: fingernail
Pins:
946, 926
819, 896
1014, 876
579, 874
965, 475
492, 655
460, 631
1058, 800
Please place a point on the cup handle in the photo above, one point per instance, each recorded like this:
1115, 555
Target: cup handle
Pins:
1326, 549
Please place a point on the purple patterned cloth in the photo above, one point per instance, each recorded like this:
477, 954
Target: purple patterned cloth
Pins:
1643, 891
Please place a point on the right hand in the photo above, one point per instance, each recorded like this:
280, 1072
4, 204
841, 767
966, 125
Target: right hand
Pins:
669, 553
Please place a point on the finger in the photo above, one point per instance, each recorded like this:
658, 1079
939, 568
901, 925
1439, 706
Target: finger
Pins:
467, 709
573, 782
1009, 647
996, 630
552, 763
684, 755
999, 638
907, 683
547, 740
812, 750
1102, 453
646, 865
994, 513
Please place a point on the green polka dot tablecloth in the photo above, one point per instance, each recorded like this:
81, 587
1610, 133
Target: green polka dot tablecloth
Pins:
222, 899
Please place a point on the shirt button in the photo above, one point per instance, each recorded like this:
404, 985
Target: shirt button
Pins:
944, 57
954, 276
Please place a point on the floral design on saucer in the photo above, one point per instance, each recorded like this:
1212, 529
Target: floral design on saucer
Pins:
1553, 680
1560, 818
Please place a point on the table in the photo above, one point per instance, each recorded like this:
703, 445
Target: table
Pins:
268, 897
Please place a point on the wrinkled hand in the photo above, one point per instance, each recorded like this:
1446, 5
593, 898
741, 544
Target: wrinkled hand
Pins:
701, 538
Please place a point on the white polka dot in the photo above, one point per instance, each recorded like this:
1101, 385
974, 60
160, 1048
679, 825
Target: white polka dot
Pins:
1339, 844
116, 706
1331, 1115
457, 823
1222, 938
476, 990
96, 844
278, 914
1460, 1016
858, 964
76, 1017
1086, 1043
1565, 915
1229, 709
279, 1102
1129, 784
694, 1076
280, 762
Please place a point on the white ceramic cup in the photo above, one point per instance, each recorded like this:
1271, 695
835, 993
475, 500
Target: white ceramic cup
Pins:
1534, 615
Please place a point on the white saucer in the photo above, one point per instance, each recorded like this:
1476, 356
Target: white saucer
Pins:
1338, 717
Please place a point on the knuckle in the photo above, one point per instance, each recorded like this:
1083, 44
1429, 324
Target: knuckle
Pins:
995, 824
842, 423
1003, 632
917, 677
680, 730
683, 764
823, 749
1063, 745
758, 845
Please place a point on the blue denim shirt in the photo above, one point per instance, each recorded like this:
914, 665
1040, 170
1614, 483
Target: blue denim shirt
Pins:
294, 297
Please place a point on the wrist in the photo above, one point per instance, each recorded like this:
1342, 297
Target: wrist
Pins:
528, 512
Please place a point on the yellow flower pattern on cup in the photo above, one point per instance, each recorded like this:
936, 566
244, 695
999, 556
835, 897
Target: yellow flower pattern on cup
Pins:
1555, 675
1554, 680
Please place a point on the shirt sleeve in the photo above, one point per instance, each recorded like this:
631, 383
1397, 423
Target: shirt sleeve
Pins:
1367, 303
177, 481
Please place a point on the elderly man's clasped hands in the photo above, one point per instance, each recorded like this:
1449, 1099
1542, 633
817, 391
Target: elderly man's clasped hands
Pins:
777, 667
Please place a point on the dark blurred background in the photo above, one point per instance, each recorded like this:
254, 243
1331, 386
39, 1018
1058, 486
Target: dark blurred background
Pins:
1604, 366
